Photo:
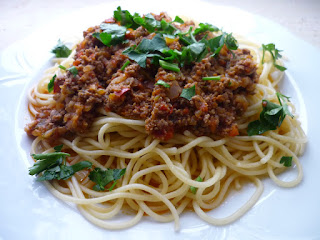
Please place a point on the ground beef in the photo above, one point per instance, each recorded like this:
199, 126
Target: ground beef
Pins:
132, 93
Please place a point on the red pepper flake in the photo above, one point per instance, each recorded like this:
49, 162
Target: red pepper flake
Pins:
121, 92
264, 103
185, 111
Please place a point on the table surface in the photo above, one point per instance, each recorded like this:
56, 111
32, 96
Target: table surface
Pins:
19, 18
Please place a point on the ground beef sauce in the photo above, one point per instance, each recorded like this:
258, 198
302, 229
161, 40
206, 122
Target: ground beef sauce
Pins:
132, 93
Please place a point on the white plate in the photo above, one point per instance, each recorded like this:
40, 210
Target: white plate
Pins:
29, 211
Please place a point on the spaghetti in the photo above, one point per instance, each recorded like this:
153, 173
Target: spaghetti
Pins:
159, 173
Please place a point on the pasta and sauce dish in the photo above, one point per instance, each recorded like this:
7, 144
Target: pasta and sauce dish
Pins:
156, 116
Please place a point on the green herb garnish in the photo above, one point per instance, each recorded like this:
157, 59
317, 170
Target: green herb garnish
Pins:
194, 189
58, 148
275, 53
103, 177
125, 65
271, 116
188, 93
72, 69
178, 20
217, 43
53, 165
51, 83
286, 161
146, 48
169, 66
157, 49
203, 27
61, 50
125, 18
62, 67
163, 83
194, 52
213, 78
112, 34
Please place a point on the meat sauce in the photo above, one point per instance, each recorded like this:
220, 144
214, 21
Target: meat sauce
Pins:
132, 93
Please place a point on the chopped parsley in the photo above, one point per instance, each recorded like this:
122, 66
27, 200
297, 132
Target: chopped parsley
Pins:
62, 67
212, 78
53, 165
125, 18
157, 49
203, 27
194, 52
271, 116
275, 53
286, 161
163, 83
146, 48
51, 83
112, 34
148, 22
125, 65
216, 44
188, 93
178, 20
169, 66
104, 177
61, 50
72, 69
194, 189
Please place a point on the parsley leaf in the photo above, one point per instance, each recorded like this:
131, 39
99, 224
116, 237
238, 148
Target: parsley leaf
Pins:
58, 148
148, 22
163, 83
53, 165
286, 161
51, 83
61, 50
212, 78
157, 43
203, 27
46, 161
63, 171
105, 38
146, 48
188, 93
103, 177
138, 57
275, 53
169, 66
271, 116
125, 65
187, 38
216, 44
125, 18
72, 69
194, 189
62, 67
112, 34
282, 100
178, 20
193, 52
